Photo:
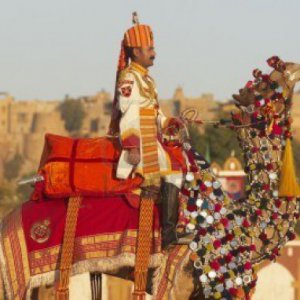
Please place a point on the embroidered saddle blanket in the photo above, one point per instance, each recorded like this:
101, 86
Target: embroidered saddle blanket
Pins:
106, 238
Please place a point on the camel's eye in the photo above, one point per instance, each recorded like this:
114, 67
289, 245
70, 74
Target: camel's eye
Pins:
293, 76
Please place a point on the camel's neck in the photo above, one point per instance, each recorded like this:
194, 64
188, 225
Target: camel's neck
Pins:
271, 217
263, 144
262, 154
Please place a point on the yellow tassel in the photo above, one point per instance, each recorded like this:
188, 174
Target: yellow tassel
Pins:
288, 185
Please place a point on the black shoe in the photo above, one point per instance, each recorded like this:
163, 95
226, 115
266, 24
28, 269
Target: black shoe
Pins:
170, 205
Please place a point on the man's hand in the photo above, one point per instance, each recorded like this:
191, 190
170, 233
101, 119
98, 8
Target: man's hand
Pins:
134, 156
177, 123
173, 126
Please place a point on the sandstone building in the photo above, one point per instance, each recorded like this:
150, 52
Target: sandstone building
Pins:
23, 124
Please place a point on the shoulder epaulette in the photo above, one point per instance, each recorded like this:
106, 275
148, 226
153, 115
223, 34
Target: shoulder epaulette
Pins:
123, 74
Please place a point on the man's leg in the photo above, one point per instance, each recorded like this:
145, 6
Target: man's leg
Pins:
171, 185
170, 189
170, 205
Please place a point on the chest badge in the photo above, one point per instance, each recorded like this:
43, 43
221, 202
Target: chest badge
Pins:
40, 231
126, 91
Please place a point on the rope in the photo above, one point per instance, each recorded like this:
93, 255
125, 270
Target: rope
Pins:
143, 247
151, 183
62, 290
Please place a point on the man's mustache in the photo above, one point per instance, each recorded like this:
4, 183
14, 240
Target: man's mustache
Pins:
152, 57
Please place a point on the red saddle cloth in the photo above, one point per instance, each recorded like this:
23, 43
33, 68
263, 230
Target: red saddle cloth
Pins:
106, 237
107, 226
84, 166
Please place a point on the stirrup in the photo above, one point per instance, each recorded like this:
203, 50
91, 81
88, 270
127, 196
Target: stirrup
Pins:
184, 238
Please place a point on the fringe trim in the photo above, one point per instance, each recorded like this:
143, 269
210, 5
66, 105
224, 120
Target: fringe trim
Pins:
110, 265
3, 271
104, 265
183, 263
158, 275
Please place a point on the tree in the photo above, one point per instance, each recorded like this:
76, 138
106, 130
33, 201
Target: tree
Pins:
72, 112
24, 191
12, 167
221, 142
297, 228
6, 194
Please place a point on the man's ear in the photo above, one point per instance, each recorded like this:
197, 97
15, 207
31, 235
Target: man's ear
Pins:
136, 52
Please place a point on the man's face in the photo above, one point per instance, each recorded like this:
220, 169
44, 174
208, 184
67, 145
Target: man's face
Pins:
144, 56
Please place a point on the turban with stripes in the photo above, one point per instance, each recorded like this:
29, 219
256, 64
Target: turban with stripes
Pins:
138, 36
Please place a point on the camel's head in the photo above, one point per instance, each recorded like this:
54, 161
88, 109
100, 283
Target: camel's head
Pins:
285, 74
288, 76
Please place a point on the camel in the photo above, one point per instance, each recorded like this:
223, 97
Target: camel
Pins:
230, 237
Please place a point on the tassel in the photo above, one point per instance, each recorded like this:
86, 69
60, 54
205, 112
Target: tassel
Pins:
113, 127
139, 295
288, 185
62, 295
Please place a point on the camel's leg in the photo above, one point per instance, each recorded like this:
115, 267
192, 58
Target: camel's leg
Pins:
80, 289
1, 288
96, 286
35, 294
43, 292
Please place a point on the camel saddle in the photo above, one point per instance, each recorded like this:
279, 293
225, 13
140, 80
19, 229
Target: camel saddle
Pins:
82, 166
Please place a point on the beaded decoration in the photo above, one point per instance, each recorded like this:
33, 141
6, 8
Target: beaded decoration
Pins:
231, 236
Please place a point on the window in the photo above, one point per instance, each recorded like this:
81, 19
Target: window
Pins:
108, 108
176, 108
22, 117
94, 125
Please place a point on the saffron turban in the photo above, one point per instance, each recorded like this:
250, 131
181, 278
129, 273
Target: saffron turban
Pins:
139, 36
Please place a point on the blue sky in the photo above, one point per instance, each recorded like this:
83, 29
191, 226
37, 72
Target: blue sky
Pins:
52, 48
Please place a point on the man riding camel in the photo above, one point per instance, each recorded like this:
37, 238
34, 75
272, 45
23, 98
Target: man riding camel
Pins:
140, 123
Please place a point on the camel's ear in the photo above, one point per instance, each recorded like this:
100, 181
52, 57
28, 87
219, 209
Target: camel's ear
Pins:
236, 97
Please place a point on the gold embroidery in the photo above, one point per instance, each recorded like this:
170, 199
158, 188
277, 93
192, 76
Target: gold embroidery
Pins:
95, 246
139, 68
23, 250
14, 248
149, 93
